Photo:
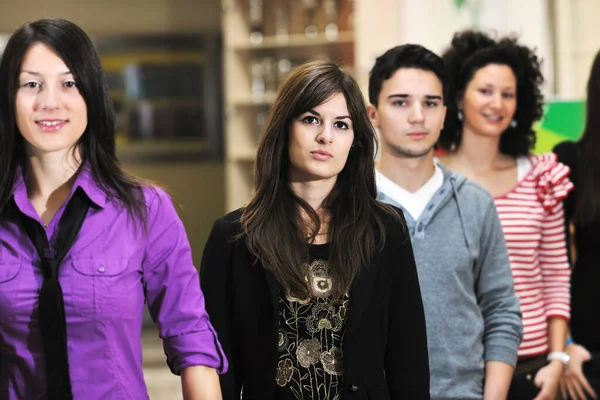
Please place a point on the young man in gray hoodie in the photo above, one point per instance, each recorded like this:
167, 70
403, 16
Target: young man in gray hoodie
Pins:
473, 316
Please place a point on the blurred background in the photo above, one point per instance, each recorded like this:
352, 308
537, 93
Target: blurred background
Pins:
192, 80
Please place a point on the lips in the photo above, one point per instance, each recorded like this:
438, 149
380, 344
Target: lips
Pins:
493, 118
51, 125
417, 134
321, 155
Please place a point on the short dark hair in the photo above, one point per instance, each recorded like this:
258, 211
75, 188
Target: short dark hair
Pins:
97, 144
470, 51
404, 56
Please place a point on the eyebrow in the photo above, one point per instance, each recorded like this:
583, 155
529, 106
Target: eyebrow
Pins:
39, 74
407, 96
340, 117
505, 88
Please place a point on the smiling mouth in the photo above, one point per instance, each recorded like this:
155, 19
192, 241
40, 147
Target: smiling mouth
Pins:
51, 125
493, 118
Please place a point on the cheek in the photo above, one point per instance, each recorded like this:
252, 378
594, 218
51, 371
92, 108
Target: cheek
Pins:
472, 102
512, 107
23, 111
346, 145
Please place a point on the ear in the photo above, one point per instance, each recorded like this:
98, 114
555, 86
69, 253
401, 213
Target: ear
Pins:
373, 115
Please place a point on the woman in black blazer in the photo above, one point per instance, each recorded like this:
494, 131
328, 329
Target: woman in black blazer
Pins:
312, 286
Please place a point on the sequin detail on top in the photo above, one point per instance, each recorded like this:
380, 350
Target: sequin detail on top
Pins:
310, 340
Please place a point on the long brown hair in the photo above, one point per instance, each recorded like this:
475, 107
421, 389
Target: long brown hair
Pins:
587, 199
272, 221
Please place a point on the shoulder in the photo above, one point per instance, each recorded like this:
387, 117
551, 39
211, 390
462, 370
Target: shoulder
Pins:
393, 224
228, 227
474, 198
230, 222
551, 178
567, 153
473, 190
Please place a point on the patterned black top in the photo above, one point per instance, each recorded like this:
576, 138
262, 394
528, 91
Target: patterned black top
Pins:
311, 334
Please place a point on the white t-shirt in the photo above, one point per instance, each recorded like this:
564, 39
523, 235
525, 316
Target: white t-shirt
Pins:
414, 203
523, 167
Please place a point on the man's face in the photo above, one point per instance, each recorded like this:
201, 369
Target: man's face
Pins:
410, 114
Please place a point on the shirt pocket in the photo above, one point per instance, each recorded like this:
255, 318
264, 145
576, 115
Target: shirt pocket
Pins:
10, 266
99, 286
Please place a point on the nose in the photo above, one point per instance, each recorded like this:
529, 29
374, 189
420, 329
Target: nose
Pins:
416, 115
325, 134
497, 101
49, 98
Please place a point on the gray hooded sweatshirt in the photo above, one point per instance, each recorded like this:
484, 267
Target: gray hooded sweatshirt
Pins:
471, 309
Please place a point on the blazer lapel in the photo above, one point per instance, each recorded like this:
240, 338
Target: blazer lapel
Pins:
274, 292
360, 297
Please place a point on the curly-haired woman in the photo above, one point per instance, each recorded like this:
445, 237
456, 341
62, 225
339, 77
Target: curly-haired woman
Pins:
494, 88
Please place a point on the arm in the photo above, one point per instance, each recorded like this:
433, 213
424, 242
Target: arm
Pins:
499, 305
406, 358
555, 287
498, 375
175, 301
215, 280
200, 383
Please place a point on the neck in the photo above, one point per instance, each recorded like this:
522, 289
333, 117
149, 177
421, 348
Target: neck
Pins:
479, 153
50, 176
410, 173
313, 192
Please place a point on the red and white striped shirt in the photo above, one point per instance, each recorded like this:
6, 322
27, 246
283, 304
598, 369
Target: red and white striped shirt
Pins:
531, 214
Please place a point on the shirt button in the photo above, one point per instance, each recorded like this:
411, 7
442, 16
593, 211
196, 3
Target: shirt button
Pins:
101, 269
354, 388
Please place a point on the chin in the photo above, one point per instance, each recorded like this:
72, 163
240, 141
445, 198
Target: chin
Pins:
47, 148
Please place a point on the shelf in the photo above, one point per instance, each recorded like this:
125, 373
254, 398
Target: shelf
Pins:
295, 41
246, 157
250, 100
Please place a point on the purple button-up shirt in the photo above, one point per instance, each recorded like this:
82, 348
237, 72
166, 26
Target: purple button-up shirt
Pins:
112, 268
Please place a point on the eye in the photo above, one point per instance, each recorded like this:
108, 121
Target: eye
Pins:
70, 84
508, 95
341, 125
431, 104
399, 103
32, 85
309, 119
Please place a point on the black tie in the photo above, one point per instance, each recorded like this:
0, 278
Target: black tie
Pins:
51, 305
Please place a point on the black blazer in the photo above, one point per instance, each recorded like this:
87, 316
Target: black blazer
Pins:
385, 344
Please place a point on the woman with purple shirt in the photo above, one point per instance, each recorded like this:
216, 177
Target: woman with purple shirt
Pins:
83, 245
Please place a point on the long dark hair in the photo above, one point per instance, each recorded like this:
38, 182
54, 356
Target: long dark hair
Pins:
470, 51
272, 221
588, 181
97, 144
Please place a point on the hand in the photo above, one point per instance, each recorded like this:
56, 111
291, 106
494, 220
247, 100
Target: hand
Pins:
547, 379
573, 382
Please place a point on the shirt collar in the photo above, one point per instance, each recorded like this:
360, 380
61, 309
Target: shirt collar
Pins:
84, 180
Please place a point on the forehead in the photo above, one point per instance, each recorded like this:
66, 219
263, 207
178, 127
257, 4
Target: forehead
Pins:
412, 81
495, 74
335, 103
40, 58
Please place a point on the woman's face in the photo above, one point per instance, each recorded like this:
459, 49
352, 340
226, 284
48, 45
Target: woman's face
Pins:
490, 101
320, 141
51, 113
